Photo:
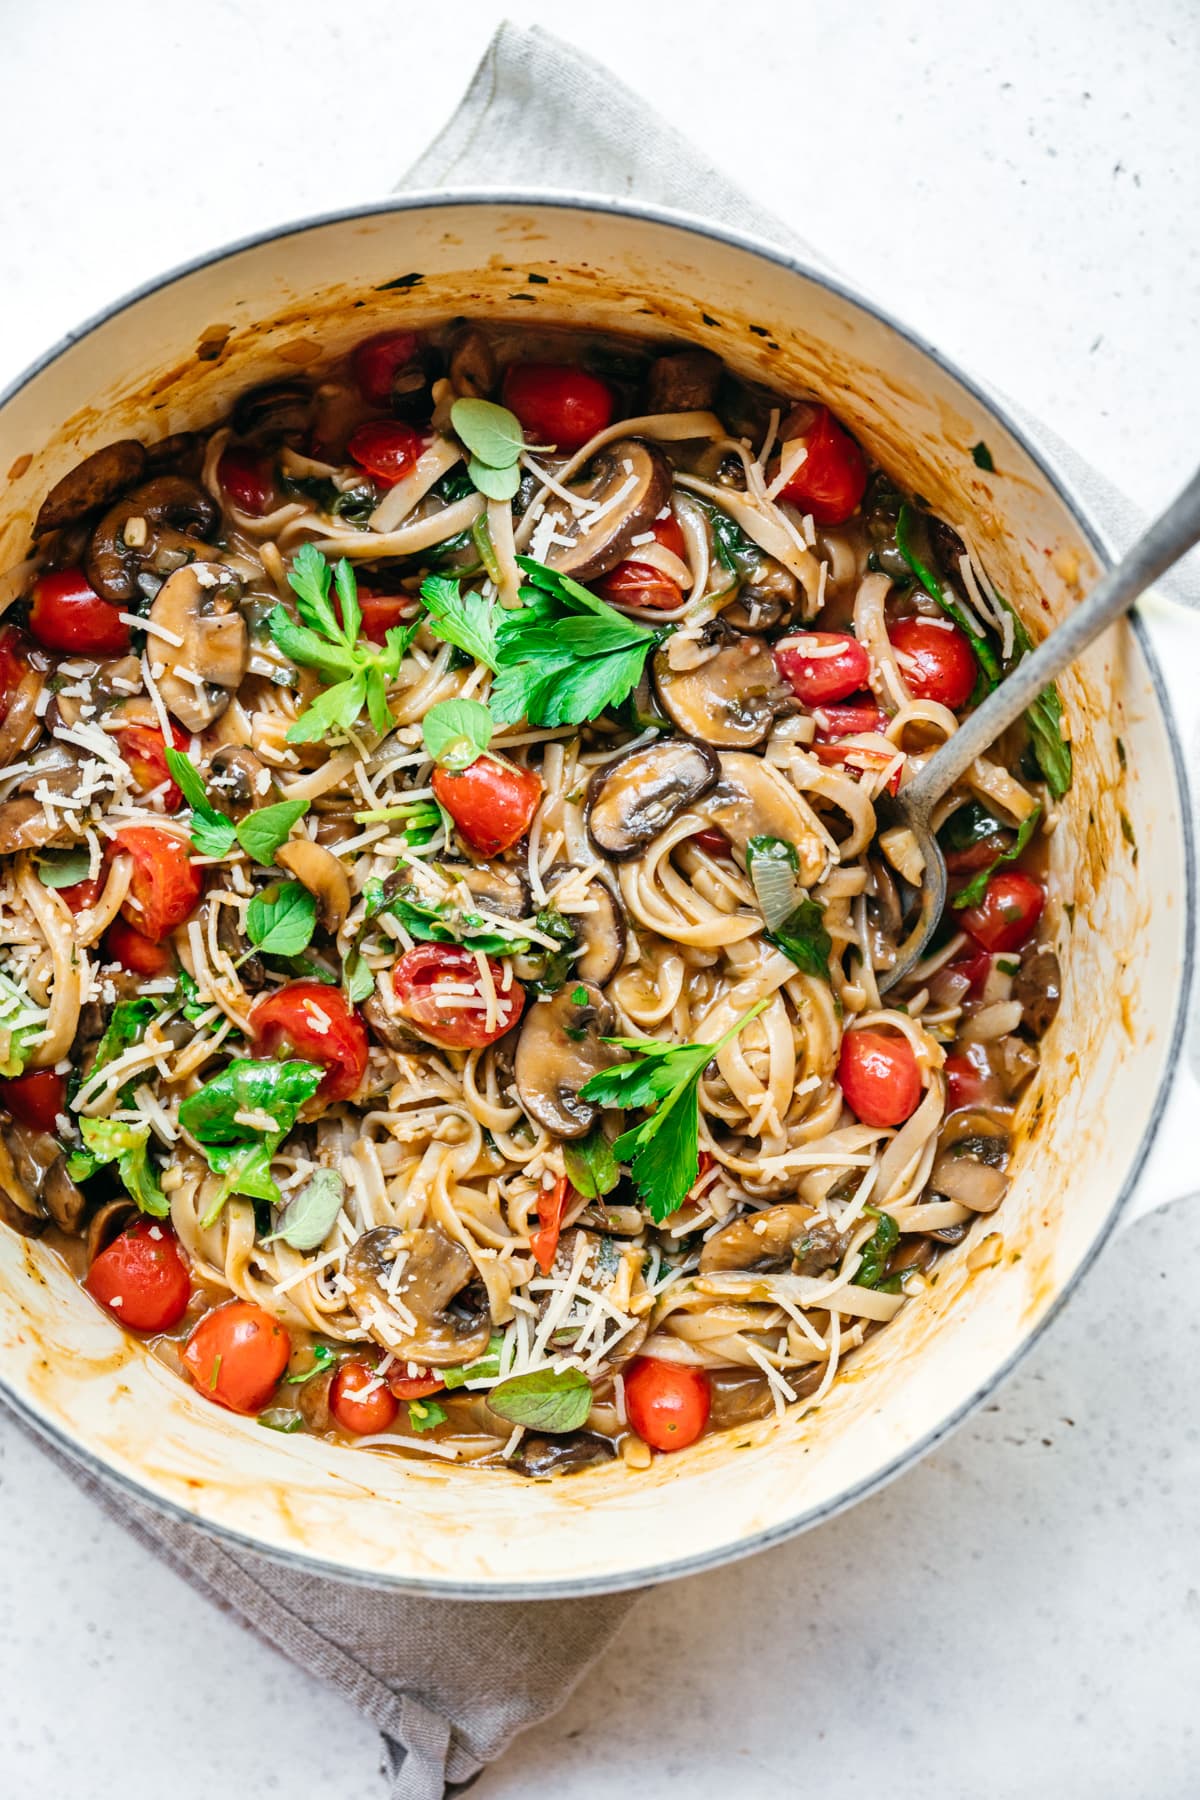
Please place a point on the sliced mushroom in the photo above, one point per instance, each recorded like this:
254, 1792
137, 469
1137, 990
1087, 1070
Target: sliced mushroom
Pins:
631, 801
444, 1318
107, 1223
64, 1200
1038, 989
600, 934
562, 1046
731, 699
767, 597
498, 887
151, 531
752, 799
392, 1033
93, 483
323, 874
790, 1236
19, 1206
182, 453
312, 1401
541, 1457
631, 469
683, 381
971, 1162
277, 412
472, 364
238, 780
198, 604
739, 1397
24, 826
21, 725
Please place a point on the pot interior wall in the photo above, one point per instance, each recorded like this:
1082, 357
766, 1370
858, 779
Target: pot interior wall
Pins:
169, 361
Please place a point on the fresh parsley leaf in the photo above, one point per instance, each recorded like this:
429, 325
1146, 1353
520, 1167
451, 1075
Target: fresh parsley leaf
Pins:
282, 919
876, 1251
262, 832
464, 620
548, 1400
423, 1415
323, 1358
276, 1089
456, 732
803, 937
590, 1165
358, 669
126, 1144
211, 831
309, 1215
975, 889
491, 433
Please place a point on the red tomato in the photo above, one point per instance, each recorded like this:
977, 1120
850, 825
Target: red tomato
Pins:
360, 1400
386, 449
142, 1277
976, 967
82, 894
145, 750
67, 613
377, 361
236, 1355
967, 1084
975, 857
880, 1079
124, 944
247, 478
381, 611
165, 887
12, 667
316, 1023
832, 479
558, 404
552, 1203
935, 660
35, 1099
835, 722
667, 1403
640, 584
437, 986
492, 803
415, 1387
841, 666
714, 841
1008, 913
856, 759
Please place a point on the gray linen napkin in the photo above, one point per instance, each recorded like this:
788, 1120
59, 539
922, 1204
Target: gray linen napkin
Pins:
449, 1683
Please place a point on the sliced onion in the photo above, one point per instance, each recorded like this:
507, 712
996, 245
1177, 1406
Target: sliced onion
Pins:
774, 875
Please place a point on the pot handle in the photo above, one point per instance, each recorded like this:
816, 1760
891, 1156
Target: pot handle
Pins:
1172, 1169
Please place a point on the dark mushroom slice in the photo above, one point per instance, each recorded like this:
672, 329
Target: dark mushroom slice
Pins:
541, 1457
323, 874
767, 597
731, 699
683, 381
393, 1034
21, 726
107, 1223
151, 531
600, 935
1038, 989
562, 1046
497, 887
443, 1318
789, 1236
91, 484
641, 476
237, 780
972, 1158
751, 799
198, 605
20, 1182
24, 826
312, 1401
276, 412
738, 1398
634, 799
63, 1199
182, 454
472, 364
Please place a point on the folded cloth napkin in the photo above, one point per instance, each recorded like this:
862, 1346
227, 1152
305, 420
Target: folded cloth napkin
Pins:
450, 1683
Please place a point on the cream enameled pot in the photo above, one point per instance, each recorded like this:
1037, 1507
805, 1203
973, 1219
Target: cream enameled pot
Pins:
171, 358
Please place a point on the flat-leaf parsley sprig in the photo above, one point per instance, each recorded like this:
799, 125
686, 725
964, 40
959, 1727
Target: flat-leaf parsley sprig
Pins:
664, 1150
358, 670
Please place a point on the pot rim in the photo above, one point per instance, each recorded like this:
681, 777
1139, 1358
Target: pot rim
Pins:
425, 199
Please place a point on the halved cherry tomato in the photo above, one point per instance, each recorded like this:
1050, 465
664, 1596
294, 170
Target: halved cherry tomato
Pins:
315, 1022
247, 478
667, 1403
713, 841
856, 759
381, 611
1008, 913
387, 449
880, 1080
935, 659
552, 1204
491, 802
142, 1277
640, 584
377, 361
416, 1387
82, 894
145, 750
822, 665
236, 1355
832, 479
967, 1084
35, 1099
558, 404
66, 613
437, 988
980, 855
12, 667
360, 1400
141, 955
165, 887
835, 722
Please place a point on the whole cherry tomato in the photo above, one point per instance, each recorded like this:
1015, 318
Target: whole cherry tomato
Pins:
145, 750
880, 1080
969, 1084
822, 665
832, 479
66, 613
316, 1023
387, 449
236, 1354
378, 361
558, 404
141, 955
82, 894
552, 1203
142, 1277
12, 666
936, 660
165, 887
1008, 913
492, 803
437, 987
247, 479
360, 1400
416, 1387
835, 722
35, 1099
666, 1403
640, 584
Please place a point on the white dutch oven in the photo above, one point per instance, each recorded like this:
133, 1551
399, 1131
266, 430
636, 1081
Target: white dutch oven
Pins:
172, 357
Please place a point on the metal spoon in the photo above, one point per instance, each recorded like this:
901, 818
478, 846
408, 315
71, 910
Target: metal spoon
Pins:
1169, 538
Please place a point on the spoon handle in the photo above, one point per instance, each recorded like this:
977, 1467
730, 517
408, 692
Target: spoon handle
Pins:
1163, 543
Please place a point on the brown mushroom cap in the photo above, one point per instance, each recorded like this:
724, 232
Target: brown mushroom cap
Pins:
540, 1458
63, 1199
683, 381
562, 1046
24, 826
751, 799
768, 595
198, 603
634, 799
600, 934
176, 513
499, 888
93, 483
238, 785
636, 471
451, 1326
791, 1236
1038, 989
276, 412
472, 364
731, 699
323, 874
972, 1159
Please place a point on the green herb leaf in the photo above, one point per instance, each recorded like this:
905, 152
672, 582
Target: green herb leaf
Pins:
484, 1367
549, 1400
126, 1027
262, 832
358, 669
876, 1251
967, 826
773, 864
24, 1023
211, 831
281, 1418
114, 1140
281, 920
323, 1358
491, 433
496, 484
803, 937
464, 620
64, 868
423, 1415
590, 1165
975, 889
187, 778
276, 1089
309, 1215
456, 732
358, 978
982, 457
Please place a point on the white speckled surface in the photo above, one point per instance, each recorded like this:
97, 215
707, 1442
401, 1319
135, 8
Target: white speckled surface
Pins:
1021, 1614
